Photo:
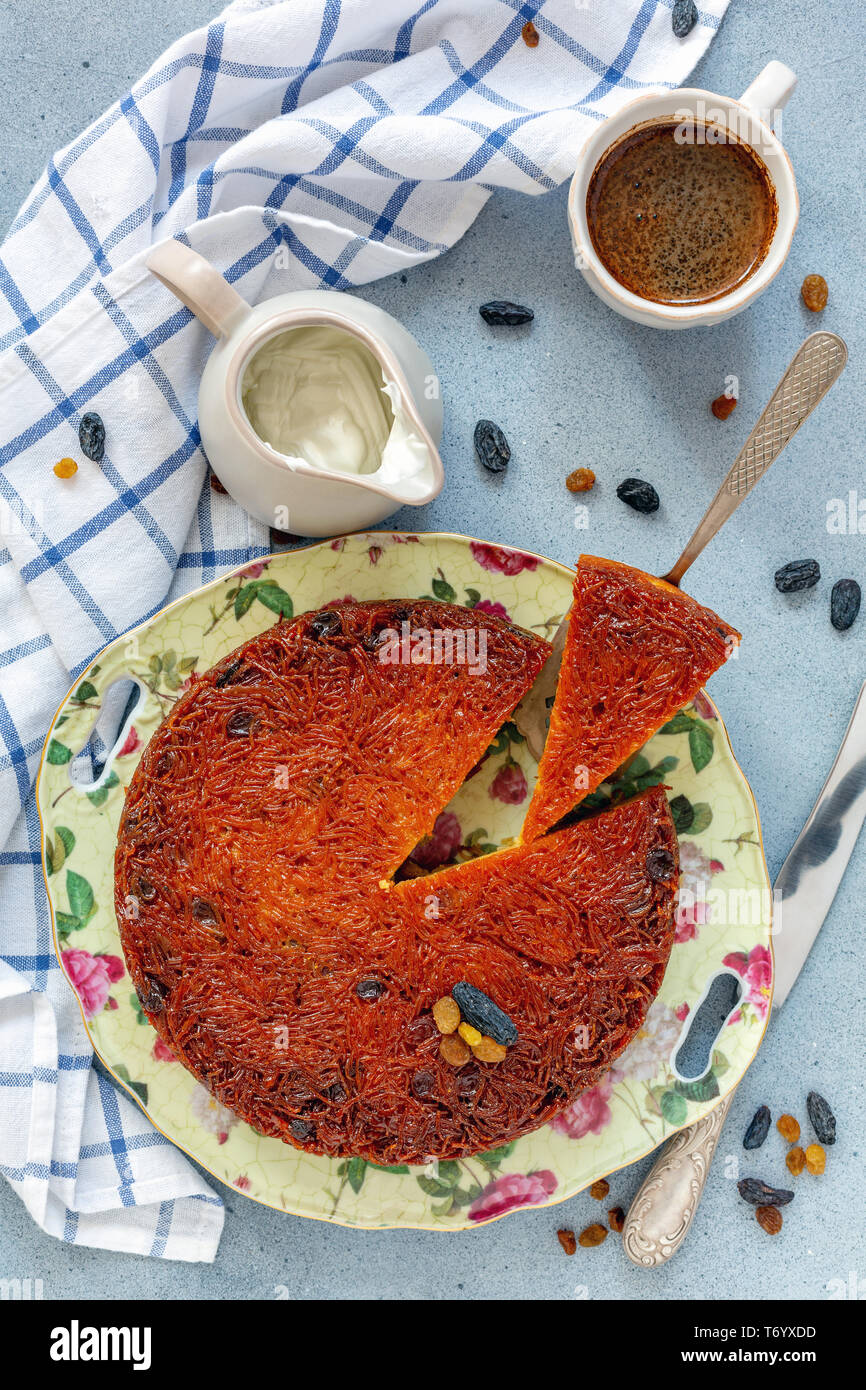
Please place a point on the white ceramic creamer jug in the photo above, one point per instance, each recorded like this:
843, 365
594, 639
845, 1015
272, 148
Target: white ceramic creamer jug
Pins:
319, 413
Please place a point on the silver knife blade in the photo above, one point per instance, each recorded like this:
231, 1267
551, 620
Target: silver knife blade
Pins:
810, 876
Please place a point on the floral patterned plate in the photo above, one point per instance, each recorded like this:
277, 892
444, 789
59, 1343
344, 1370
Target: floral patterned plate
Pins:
723, 919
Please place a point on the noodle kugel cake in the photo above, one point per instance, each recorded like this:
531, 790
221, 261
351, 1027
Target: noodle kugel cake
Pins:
274, 946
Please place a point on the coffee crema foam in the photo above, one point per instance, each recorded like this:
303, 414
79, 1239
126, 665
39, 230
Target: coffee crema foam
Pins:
677, 215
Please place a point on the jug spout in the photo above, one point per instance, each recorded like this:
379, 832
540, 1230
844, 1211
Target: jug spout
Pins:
411, 471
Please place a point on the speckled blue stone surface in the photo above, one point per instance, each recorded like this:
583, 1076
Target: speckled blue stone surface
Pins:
581, 386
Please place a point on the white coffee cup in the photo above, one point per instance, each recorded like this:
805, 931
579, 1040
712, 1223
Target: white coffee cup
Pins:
750, 121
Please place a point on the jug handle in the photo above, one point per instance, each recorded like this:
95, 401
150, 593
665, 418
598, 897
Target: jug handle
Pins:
198, 285
770, 91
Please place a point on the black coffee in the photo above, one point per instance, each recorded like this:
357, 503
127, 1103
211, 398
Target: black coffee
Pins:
680, 221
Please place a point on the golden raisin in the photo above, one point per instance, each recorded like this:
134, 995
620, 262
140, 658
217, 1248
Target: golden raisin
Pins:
446, 1014
454, 1051
795, 1160
592, 1236
616, 1218
815, 293
568, 1241
770, 1218
469, 1034
600, 1189
816, 1159
789, 1128
66, 468
581, 480
489, 1051
722, 406
530, 34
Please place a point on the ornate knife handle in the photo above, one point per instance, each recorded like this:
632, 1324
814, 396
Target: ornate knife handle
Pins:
661, 1214
815, 366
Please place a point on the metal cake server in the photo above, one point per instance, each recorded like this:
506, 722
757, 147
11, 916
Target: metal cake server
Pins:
815, 366
661, 1214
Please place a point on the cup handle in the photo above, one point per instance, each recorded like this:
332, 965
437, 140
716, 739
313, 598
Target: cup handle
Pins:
197, 285
770, 91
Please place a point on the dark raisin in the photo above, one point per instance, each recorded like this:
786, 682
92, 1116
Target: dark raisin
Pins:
227, 676
152, 997
400, 615
797, 575
501, 312
760, 1194
91, 436
555, 1095
420, 1030
684, 17
302, 1130
423, 1084
821, 1118
203, 912
844, 603
216, 485
165, 762
481, 1012
491, 446
468, 1082
369, 989
660, 864
759, 1127
638, 494
392, 625
240, 723
325, 624
336, 1094
146, 890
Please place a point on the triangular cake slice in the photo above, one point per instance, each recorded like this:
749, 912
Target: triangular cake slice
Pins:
637, 650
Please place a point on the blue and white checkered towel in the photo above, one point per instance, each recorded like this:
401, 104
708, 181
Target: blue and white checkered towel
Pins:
312, 143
